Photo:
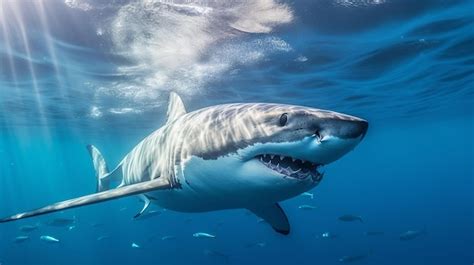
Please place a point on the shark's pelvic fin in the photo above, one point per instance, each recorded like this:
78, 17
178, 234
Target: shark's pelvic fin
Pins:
134, 189
175, 108
275, 216
146, 202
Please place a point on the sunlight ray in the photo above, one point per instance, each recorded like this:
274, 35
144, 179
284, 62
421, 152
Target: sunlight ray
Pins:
61, 89
19, 19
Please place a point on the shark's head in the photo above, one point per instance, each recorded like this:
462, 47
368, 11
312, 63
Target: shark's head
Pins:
273, 148
300, 140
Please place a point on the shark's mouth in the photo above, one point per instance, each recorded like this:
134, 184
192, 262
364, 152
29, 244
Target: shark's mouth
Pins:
291, 167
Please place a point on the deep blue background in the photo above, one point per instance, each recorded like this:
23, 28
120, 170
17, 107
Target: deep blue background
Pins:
406, 67
406, 175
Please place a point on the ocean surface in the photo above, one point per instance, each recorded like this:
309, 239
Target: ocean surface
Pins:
80, 72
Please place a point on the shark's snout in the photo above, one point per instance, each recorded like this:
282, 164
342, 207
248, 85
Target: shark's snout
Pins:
356, 128
335, 134
353, 128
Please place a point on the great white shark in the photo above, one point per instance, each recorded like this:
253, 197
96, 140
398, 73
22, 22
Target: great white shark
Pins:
243, 155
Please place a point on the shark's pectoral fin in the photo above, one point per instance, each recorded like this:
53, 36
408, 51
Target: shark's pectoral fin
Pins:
146, 202
275, 216
134, 189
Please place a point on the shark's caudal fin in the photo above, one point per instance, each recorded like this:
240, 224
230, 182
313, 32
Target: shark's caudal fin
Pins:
134, 189
104, 177
101, 169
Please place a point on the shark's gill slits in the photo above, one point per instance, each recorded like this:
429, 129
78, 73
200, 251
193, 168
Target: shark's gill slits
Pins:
291, 167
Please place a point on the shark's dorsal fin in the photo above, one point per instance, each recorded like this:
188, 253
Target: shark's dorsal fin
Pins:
175, 108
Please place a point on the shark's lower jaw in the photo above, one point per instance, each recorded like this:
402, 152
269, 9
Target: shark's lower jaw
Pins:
291, 167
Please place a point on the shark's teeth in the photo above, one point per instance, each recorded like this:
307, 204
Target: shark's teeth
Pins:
291, 167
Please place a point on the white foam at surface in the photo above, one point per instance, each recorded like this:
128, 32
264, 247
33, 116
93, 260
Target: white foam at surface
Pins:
301, 59
357, 3
95, 112
183, 45
78, 5
124, 110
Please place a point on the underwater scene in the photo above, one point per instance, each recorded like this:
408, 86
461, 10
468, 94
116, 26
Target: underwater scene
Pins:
236, 132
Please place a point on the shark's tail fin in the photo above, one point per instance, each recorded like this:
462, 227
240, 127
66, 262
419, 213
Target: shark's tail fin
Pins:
101, 169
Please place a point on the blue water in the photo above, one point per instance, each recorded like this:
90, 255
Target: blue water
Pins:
79, 72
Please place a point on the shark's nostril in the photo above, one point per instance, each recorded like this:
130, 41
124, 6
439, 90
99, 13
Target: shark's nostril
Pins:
318, 135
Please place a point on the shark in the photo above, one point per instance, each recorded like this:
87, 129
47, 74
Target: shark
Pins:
228, 156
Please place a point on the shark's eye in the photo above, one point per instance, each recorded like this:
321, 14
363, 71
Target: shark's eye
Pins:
283, 119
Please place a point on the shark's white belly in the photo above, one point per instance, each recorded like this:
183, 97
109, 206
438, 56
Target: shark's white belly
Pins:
236, 185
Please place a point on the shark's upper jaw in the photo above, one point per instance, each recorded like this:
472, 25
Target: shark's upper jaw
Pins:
291, 167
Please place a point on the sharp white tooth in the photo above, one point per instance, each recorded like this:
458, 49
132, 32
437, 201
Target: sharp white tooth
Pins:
281, 157
271, 156
292, 159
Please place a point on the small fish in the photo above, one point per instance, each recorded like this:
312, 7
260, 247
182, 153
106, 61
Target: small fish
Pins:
100, 238
135, 245
258, 244
328, 235
307, 194
168, 238
61, 222
203, 235
97, 225
350, 218
21, 239
412, 234
28, 228
353, 258
71, 227
373, 233
148, 215
306, 207
49, 239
